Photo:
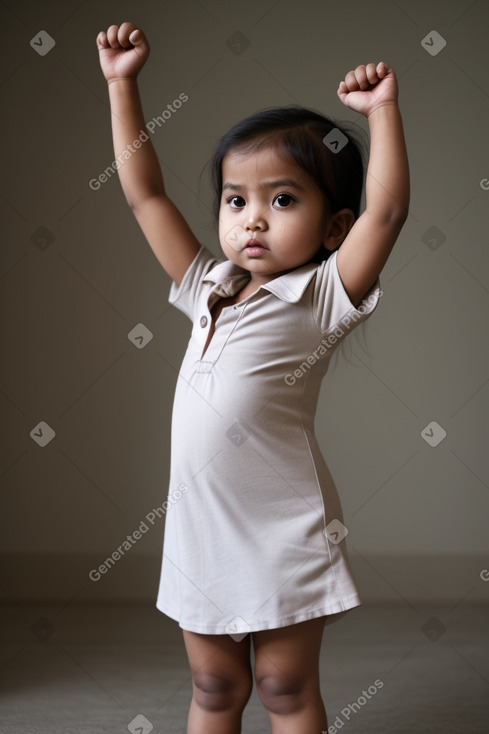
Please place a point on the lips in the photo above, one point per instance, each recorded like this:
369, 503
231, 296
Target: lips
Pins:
256, 243
255, 249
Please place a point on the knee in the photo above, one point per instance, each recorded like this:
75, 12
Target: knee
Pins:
219, 693
280, 695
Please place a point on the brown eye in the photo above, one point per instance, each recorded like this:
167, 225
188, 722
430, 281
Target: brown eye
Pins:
283, 200
236, 202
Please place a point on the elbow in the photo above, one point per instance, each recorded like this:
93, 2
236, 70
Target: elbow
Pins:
392, 218
396, 221
139, 198
396, 216
399, 217
401, 210
395, 212
132, 204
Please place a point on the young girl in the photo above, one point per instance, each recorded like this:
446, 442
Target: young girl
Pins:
254, 542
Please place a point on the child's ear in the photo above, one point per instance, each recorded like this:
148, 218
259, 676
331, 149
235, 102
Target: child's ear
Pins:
337, 227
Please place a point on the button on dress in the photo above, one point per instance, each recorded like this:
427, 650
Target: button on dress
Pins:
254, 537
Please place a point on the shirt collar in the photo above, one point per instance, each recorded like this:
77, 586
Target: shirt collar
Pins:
290, 287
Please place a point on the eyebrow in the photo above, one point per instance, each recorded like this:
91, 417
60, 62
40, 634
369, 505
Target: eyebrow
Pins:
266, 185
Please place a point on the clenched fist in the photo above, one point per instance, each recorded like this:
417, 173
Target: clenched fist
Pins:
368, 87
123, 51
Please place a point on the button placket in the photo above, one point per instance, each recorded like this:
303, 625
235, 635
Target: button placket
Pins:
203, 325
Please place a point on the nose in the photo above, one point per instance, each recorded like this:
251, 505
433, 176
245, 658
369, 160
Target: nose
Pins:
255, 222
255, 218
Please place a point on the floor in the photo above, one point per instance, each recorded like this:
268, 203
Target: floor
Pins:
108, 669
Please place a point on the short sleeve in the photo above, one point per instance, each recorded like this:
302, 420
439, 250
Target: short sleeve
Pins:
332, 308
185, 296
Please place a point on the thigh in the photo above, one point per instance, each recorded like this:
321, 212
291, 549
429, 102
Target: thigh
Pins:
218, 655
289, 653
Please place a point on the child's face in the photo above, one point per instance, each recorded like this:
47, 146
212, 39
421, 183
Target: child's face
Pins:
275, 203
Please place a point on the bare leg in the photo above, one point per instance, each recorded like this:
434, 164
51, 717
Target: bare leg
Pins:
287, 677
222, 682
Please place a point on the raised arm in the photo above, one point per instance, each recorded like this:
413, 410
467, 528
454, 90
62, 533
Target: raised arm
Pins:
372, 91
123, 51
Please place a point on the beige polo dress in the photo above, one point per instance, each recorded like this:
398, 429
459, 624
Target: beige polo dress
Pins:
254, 537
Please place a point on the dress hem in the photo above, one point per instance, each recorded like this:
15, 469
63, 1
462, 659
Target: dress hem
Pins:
291, 619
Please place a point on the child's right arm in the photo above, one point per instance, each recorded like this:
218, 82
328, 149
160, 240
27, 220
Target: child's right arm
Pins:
167, 232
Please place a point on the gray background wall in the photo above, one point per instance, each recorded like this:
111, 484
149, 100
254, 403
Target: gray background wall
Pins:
77, 276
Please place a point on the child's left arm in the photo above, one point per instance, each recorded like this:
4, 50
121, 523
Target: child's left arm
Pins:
372, 91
